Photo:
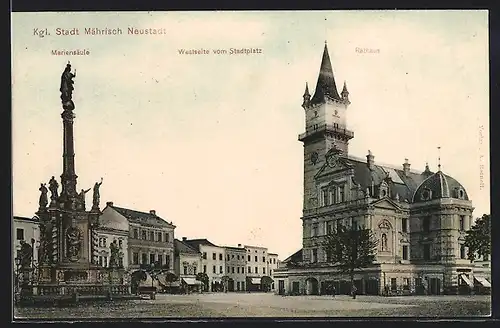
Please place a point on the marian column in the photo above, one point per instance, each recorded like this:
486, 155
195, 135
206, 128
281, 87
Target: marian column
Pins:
68, 177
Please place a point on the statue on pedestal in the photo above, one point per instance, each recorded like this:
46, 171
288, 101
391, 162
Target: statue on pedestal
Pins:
43, 196
113, 258
96, 194
53, 186
25, 255
81, 197
67, 87
73, 243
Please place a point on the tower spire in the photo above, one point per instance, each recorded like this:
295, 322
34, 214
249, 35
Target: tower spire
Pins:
439, 158
326, 85
306, 96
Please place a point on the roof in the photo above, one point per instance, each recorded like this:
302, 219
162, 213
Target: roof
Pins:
439, 185
33, 219
141, 217
184, 248
403, 185
326, 85
295, 257
195, 243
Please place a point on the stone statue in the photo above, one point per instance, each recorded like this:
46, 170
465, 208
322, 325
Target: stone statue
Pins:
67, 84
81, 197
25, 254
96, 194
43, 196
113, 258
73, 242
53, 186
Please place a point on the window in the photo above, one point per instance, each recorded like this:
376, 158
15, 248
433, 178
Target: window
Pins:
314, 232
136, 233
194, 270
237, 270
384, 242
394, 284
462, 222
159, 236
214, 270
185, 270
426, 224
404, 224
256, 270
204, 269
274, 261
204, 255
104, 242
221, 269
100, 260
263, 270
427, 252
167, 237
256, 258
242, 269
249, 258
405, 252
135, 258
232, 270
315, 255
220, 257
152, 236
105, 264
120, 243
406, 283
270, 272
334, 194
326, 197
462, 252
264, 259
151, 258
160, 259
249, 270
228, 269
144, 234
339, 223
341, 194
214, 256
167, 261
228, 257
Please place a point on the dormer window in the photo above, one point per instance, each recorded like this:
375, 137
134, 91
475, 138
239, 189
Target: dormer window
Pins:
426, 194
383, 193
461, 193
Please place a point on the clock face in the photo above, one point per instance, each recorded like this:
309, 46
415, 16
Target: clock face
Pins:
332, 160
314, 157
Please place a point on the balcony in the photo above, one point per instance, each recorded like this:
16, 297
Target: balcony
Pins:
336, 129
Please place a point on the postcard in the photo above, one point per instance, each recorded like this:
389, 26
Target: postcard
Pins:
275, 164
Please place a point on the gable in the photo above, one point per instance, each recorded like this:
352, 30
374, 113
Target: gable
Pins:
386, 203
329, 169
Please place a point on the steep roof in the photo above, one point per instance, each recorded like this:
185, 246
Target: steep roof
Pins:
184, 248
195, 243
141, 217
439, 185
325, 85
295, 257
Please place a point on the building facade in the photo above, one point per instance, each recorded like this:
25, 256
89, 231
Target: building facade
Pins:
187, 265
150, 238
213, 261
25, 229
419, 217
113, 227
257, 266
236, 267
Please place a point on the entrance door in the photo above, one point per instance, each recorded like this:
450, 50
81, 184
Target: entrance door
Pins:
312, 286
435, 286
281, 287
230, 284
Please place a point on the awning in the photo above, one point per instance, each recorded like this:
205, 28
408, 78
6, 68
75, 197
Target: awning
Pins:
191, 281
256, 281
467, 280
483, 281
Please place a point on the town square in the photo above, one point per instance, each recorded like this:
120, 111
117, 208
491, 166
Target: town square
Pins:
134, 211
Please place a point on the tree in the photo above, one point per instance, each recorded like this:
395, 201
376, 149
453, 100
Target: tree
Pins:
266, 283
350, 248
478, 238
203, 277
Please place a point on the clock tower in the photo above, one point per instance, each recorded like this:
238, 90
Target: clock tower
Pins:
325, 114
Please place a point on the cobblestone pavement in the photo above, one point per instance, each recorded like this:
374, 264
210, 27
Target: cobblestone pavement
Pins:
269, 305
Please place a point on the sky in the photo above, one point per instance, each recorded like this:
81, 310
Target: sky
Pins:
210, 141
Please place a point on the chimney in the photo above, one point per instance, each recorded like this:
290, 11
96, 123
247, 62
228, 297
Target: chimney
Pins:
109, 204
369, 160
406, 167
184, 238
153, 212
239, 245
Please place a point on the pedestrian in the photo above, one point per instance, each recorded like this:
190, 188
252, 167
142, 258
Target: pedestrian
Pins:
353, 291
333, 291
